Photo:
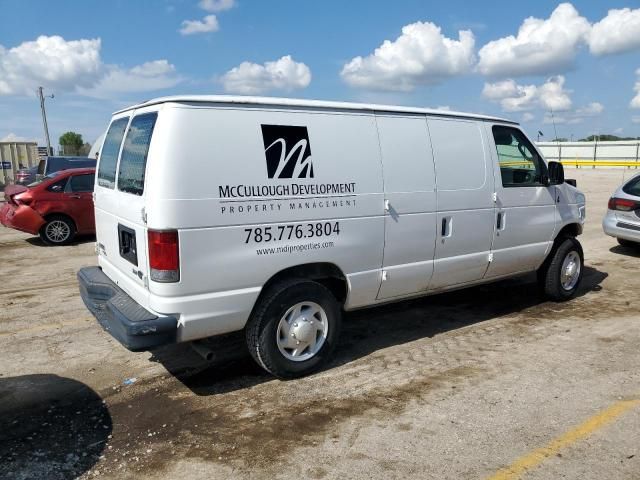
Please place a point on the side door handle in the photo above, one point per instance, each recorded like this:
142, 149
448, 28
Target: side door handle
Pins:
500, 221
445, 229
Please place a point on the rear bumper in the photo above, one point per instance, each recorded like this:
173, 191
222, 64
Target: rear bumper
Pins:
619, 229
21, 217
128, 322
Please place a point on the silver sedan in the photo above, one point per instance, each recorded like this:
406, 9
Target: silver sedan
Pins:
623, 214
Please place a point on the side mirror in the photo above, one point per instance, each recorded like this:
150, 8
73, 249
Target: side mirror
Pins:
556, 173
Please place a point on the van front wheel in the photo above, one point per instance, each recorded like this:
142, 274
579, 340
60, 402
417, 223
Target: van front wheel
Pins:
561, 273
294, 328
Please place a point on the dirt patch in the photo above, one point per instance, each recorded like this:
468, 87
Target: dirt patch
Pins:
246, 437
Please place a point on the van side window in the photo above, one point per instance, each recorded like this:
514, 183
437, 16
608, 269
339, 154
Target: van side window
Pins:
109, 154
134, 153
520, 164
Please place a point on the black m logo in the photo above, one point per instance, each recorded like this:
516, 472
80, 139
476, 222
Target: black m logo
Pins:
288, 151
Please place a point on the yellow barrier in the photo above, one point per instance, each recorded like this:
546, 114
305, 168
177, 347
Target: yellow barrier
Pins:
601, 163
582, 163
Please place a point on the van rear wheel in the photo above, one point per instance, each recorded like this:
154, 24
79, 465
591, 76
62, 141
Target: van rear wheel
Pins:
294, 328
561, 274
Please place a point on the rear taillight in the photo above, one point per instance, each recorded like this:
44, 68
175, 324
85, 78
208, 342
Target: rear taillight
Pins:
164, 259
623, 204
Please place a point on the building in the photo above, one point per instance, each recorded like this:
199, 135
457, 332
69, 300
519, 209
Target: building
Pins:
14, 156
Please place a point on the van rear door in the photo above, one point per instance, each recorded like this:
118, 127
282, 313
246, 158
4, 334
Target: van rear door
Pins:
120, 202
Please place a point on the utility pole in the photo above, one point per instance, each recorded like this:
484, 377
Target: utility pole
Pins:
44, 119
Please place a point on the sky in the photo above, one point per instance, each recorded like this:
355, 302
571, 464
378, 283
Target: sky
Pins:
565, 69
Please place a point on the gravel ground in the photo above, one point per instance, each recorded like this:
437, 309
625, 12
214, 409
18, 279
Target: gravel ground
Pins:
459, 385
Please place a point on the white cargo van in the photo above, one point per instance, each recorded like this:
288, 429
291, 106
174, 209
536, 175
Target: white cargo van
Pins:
218, 214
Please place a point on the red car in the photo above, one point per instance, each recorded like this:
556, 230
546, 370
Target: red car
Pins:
58, 207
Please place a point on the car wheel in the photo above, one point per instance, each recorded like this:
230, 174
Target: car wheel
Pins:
561, 274
628, 243
294, 328
59, 230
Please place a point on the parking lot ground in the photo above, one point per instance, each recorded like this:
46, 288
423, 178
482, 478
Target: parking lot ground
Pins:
491, 382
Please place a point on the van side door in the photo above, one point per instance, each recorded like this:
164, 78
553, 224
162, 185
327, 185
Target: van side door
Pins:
525, 206
464, 183
410, 204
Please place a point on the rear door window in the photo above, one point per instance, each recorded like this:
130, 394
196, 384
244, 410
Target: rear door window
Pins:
81, 183
134, 153
633, 187
109, 155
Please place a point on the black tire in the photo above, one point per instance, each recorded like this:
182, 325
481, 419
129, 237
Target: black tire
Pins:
65, 224
262, 328
628, 243
549, 274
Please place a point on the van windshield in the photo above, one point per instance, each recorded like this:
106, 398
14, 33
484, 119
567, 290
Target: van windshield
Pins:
134, 153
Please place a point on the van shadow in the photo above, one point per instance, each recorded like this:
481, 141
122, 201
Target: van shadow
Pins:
368, 330
627, 251
79, 240
50, 427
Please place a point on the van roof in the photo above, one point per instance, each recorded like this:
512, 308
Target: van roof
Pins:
302, 103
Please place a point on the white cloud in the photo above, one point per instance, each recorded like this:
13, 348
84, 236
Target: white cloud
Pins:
422, 55
527, 117
512, 97
576, 116
635, 101
51, 62
75, 66
12, 137
553, 96
635, 119
541, 46
149, 76
216, 5
591, 110
207, 24
618, 32
251, 78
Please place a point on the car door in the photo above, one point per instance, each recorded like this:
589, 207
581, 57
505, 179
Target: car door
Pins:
464, 182
78, 195
525, 205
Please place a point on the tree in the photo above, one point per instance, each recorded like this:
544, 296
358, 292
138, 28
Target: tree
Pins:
71, 143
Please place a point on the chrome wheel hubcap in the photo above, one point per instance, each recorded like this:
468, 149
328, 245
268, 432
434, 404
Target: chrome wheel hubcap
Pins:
302, 331
57, 231
570, 272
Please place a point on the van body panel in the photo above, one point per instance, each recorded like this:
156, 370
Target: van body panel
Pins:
465, 218
410, 197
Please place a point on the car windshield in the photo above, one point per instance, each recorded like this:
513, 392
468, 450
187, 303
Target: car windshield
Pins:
43, 179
